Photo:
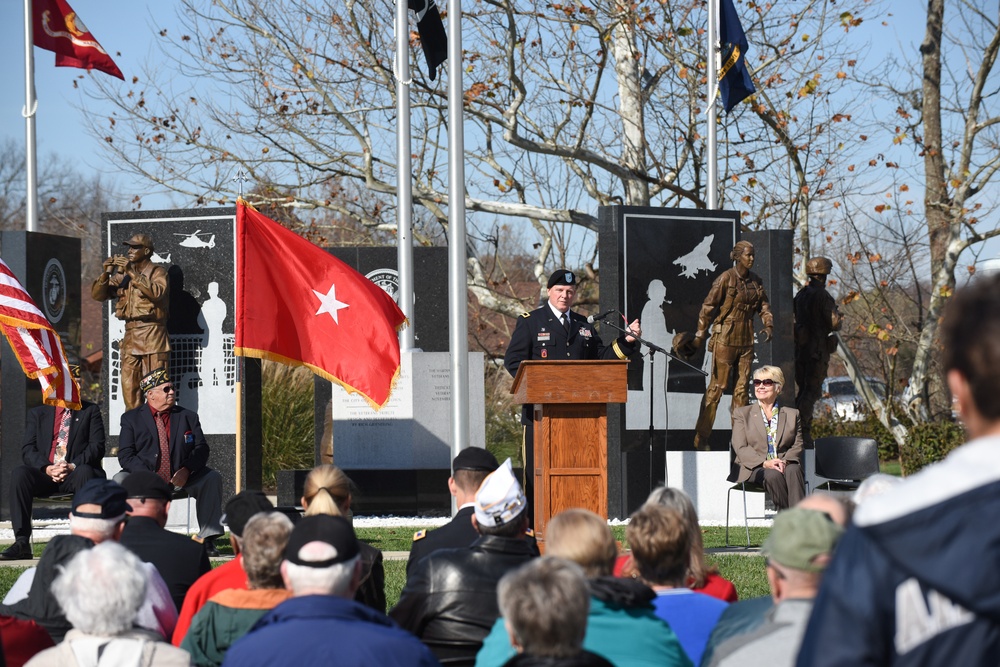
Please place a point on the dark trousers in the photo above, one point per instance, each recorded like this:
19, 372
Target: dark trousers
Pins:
27, 483
787, 489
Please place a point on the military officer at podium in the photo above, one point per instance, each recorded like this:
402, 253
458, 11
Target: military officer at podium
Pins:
555, 333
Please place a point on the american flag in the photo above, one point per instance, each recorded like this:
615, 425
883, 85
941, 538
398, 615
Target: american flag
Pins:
35, 343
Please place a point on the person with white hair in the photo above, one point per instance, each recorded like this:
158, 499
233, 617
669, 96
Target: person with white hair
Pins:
97, 516
322, 623
101, 591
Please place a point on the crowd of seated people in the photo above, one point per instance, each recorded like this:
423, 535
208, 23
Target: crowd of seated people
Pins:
892, 578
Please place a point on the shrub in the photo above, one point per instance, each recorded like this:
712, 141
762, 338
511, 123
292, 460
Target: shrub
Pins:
287, 420
929, 443
869, 427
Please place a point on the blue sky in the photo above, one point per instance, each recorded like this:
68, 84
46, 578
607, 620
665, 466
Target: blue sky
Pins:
124, 26
128, 27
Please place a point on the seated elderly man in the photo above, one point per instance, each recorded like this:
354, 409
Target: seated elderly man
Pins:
101, 590
230, 614
545, 604
798, 550
162, 437
322, 624
450, 597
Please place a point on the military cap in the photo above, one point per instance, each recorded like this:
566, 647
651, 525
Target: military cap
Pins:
140, 241
153, 379
561, 277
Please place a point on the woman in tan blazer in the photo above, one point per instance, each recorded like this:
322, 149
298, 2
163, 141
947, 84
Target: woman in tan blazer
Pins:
767, 440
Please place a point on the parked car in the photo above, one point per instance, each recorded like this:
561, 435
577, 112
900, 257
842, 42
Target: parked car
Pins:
840, 399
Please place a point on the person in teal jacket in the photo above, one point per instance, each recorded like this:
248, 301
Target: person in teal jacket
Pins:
622, 625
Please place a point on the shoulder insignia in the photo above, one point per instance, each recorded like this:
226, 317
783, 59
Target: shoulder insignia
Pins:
529, 532
419, 535
525, 314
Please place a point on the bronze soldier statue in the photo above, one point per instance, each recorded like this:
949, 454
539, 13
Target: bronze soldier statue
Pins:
143, 294
726, 319
816, 318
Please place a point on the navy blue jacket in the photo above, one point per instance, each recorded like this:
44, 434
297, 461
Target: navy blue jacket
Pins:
327, 630
914, 580
139, 442
539, 335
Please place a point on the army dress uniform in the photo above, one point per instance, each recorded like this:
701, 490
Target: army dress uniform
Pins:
539, 335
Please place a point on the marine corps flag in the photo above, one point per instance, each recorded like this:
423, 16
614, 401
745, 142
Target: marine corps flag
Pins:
56, 27
35, 343
300, 305
734, 76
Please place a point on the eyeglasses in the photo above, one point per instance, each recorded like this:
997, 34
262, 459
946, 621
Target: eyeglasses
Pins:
166, 389
766, 383
777, 570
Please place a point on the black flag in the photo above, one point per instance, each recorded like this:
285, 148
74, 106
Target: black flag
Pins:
433, 39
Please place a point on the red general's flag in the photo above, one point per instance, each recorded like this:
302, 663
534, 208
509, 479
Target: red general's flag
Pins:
35, 343
300, 305
58, 28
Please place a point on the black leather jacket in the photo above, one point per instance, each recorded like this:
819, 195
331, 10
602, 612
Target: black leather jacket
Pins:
450, 597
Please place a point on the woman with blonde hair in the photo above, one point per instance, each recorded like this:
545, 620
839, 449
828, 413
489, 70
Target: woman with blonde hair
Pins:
767, 442
327, 490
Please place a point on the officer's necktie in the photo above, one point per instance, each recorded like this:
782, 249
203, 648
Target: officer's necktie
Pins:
565, 322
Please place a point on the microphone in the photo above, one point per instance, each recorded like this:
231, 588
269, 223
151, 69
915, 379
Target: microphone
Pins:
597, 318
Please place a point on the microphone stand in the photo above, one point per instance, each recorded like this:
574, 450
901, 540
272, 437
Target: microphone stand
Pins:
653, 349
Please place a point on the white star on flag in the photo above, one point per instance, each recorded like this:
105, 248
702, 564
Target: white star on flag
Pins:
328, 303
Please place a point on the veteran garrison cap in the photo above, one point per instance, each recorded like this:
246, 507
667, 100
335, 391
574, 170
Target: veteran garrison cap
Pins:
561, 277
153, 379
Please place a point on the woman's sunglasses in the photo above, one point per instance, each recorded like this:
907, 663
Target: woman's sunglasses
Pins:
766, 383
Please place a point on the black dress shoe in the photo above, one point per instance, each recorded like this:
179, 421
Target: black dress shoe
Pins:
210, 548
17, 551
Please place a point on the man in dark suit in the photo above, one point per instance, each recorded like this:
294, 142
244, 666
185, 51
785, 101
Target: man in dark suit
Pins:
469, 469
179, 560
63, 449
162, 437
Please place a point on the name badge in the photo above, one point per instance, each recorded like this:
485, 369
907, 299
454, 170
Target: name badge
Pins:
544, 336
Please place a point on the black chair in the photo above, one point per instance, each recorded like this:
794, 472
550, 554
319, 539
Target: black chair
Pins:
845, 461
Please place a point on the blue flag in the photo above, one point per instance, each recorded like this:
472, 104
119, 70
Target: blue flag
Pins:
734, 76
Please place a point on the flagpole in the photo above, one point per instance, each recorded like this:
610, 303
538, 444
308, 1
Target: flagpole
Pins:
712, 198
457, 282
30, 105
404, 185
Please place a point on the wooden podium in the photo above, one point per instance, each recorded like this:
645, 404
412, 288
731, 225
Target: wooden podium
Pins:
571, 448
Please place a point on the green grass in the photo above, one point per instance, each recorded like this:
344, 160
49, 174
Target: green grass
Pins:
891, 467
745, 571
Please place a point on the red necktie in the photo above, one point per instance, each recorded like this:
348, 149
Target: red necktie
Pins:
163, 470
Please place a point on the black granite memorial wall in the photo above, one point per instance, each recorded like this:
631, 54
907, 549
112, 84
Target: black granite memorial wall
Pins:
658, 264
48, 265
198, 249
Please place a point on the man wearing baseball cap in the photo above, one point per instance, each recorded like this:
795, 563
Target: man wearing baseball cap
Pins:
97, 515
450, 597
179, 560
143, 293
321, 623
469, 469
798, 549
239, 510
555, 333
